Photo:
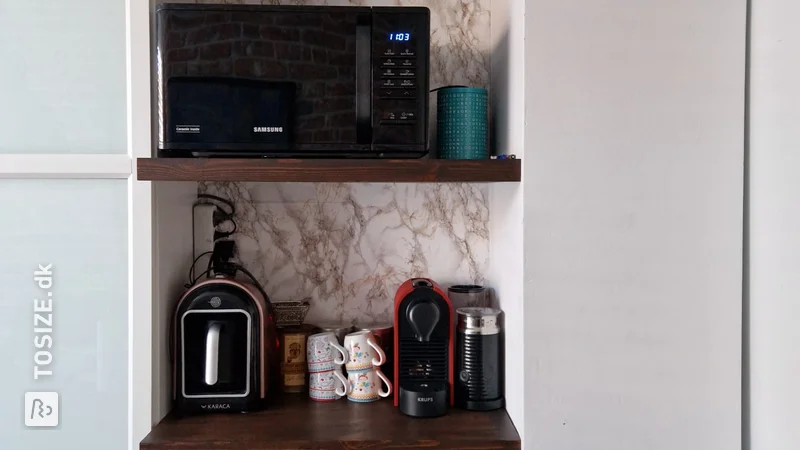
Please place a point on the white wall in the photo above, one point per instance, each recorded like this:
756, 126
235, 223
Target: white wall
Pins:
775, 225
505, 222
172, 256
633, 224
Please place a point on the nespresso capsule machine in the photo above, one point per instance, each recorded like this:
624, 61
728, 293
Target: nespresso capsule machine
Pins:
423, 349
224, 346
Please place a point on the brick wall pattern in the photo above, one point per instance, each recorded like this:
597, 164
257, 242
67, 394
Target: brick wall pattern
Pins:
321, 50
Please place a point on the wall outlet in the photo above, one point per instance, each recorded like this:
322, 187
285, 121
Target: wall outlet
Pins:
203, 224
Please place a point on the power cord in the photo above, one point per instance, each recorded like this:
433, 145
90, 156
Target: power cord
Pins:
221, 216
193, 280
219, 262
229, 268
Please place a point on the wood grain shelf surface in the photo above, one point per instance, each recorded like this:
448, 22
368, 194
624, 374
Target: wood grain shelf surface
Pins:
329, 170
295, 422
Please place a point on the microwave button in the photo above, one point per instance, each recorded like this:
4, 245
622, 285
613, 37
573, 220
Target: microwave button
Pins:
389, 93
396, 93
389, 83
387, 73
408, 52
408, 83
407, 62
398, 122
408, 115
389, 63
389, 52
407, 73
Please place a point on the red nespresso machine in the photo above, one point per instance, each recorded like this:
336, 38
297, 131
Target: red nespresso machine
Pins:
423, 349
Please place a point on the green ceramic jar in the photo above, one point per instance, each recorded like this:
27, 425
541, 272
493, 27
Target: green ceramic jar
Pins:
463, 123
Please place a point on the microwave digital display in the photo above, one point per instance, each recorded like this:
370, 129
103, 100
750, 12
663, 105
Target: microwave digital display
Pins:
398, 37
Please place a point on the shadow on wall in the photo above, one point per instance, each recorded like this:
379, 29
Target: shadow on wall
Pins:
500, 98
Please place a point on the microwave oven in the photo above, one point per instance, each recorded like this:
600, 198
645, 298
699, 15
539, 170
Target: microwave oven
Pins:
292, 81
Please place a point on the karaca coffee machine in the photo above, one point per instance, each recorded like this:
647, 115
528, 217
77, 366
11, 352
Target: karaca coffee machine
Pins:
423, 349
224, 346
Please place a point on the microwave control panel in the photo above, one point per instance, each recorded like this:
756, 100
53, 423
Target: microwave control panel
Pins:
400, 55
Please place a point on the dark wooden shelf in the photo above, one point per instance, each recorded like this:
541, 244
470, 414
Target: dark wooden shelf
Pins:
295, 422
329, 170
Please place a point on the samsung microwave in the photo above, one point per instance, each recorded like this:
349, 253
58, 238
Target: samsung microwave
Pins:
292, 81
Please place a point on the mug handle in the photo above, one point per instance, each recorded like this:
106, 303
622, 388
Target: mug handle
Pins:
388, 391
379, 351
345, 385
342, 353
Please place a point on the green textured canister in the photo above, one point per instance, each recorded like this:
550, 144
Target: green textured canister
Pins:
463, 123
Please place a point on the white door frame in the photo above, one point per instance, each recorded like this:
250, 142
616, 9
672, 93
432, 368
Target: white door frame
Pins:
140, 216
140, 201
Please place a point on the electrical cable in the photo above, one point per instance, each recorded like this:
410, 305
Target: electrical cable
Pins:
224, 234
221, 200
227, 216
194, 263
206, 273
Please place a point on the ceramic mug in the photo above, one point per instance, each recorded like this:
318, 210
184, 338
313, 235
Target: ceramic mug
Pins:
360, 346
323, 352
327, 386
364, 386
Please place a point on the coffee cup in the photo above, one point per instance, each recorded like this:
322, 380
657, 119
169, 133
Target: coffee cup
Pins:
323, 352
363, 351
364, 385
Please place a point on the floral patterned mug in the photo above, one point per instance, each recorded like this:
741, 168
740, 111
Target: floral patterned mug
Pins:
364, 386
324, 353
327, 386
361, 346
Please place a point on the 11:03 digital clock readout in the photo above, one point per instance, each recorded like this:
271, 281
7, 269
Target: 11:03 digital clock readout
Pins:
399, 37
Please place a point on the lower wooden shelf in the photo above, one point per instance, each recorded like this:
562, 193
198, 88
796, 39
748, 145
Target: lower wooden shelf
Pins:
295, 422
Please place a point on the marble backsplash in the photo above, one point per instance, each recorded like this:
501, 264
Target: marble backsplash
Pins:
349, 246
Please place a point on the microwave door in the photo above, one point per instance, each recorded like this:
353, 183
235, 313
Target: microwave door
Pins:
319, 50
242, 61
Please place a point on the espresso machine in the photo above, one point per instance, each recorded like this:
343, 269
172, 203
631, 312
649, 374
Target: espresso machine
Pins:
423, 349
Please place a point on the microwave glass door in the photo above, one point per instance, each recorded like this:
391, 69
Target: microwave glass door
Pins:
315, 51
